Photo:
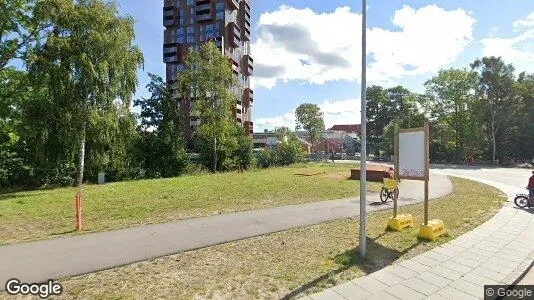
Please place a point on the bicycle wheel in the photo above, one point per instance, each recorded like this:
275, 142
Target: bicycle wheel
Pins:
384, 195
521, 201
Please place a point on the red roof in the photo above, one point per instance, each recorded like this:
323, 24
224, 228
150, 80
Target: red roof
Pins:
352, 128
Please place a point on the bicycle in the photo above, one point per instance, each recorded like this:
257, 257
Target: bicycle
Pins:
524, 200
390, 190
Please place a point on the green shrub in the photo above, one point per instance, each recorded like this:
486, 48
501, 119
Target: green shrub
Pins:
288, 153
265, 158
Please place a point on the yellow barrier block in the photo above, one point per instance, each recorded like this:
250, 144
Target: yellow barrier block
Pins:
433, 230
400, 222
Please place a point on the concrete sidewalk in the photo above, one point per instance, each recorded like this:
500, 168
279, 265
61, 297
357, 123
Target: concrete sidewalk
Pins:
497, 252
56, 258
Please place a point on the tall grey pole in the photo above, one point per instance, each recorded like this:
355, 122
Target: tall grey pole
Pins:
363, 167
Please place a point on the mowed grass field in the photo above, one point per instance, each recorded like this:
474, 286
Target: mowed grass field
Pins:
287, 264
46, 213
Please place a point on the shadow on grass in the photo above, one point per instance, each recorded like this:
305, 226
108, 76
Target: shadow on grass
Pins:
378, 257
62, 232
377, 203
11, 196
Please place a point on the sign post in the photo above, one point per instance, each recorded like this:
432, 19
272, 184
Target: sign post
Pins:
363, 167
427, 171
396, 154
412, 162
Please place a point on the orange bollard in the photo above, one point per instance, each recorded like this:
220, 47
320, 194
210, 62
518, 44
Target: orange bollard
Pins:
78, 212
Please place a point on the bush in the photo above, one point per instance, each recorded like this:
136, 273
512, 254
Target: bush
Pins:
285, 153
243, 154
265, 158
162, 155
196, 169
288, 153
234, 149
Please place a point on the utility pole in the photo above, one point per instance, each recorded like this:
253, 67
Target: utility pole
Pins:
363, 166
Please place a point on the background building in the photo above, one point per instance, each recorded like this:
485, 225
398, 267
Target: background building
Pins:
189, 23
269, 140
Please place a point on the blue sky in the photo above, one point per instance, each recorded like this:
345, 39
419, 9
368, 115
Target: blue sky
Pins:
408, 42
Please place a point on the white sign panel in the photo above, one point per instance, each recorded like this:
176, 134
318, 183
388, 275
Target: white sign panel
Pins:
412, 155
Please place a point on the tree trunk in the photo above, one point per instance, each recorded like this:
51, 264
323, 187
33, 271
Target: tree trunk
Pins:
81, 159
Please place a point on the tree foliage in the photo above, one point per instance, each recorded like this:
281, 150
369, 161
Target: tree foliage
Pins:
310, 118
494, 92
451, 100
88, 67
210, 86
162, 144
67, 116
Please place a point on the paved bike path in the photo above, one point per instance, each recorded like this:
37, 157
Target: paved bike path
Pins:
61, 257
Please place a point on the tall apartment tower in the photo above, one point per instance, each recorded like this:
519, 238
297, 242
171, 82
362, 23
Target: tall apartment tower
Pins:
189, 23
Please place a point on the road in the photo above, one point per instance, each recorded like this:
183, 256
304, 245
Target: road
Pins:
61, 257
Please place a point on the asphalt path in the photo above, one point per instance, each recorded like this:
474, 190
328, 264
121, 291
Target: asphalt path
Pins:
69, 256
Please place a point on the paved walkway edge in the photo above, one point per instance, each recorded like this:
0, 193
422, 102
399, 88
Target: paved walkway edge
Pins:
497, 252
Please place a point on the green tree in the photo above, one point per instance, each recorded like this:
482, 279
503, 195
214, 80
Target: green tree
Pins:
209, 83
284, 133
451, 100
523, 117
243, 152
162, 130
288, 152
392, 106
88, 66
379, 115
494, 91
18, 29
310, 118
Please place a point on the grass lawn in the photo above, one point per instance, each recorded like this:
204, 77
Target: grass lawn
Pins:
291, 263
45, 213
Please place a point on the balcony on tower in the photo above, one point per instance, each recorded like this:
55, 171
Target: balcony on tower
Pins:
233, 4
245, 31
168, 4
249, 126
173, 53
238, 113
235, 68
170, 49
203, 11
248, 97
234, 56
247, 64
234, 34
170, 15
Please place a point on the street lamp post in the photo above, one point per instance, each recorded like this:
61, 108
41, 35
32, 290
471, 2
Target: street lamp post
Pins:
363, 166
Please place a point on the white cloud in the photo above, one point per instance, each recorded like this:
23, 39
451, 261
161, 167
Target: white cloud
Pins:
527, 22
518, 50
300, 44
335, 112
285, 120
